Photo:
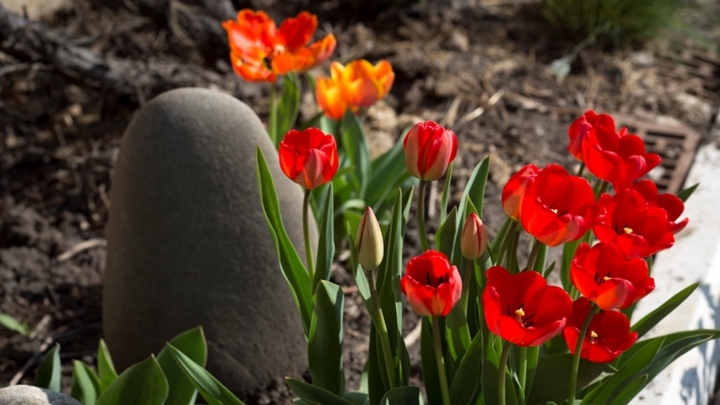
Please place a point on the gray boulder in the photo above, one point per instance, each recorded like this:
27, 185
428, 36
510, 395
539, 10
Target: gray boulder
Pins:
188, 244
27, 395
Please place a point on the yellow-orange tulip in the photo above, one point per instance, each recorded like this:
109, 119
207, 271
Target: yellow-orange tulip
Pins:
357, 85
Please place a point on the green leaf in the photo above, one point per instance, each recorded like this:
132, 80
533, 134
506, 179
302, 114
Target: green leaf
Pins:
431, 378
314, 122
354, 143
192, 344
686, 193
407, 395
325, 341
289, 103
445, 193
209, 387
552, 377
650, 320
650, 359
568, 254
326, 242
458, 335
357, 398
387, 174
290, 264
314, 394
475, 188
445, 235
465, 386
14, 325
106, 369
48, 373
143, 383
85, 384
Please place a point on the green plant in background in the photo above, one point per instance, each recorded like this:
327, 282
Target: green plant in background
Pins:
174, 377
14, 325
615, 21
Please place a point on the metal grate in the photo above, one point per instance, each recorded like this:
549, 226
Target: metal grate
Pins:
694, 72
676, 145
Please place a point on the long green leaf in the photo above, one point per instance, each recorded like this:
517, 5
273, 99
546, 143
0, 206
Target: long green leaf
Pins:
314, 394
325, 341
289, 103
402, 396
431, 378
192, 343
85, 384
209, 387
649, 321
292, 268
465, 386
445, 194
106, 368
48, 373
355, 146
552, 377
326, 241
143, 383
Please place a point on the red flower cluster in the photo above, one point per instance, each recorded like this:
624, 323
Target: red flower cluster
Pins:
632, 223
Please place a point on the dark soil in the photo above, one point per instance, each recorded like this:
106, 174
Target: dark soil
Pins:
480, 67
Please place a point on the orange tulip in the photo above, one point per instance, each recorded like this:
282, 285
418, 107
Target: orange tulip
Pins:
260, 51
357, 85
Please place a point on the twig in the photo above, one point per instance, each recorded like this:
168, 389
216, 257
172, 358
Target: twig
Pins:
85, 245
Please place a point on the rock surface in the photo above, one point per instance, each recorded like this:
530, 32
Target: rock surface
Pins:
27, 395
188, 244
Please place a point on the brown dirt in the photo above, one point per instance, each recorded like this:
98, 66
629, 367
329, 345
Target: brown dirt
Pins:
59, 137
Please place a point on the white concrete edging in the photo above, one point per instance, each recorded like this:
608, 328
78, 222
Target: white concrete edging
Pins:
695, 257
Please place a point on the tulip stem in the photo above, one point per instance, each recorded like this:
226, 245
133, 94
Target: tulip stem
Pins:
580, 172
576, 356
466, 284
501, 376
379, 321
421, 216
533, 255
440, 360
306, 232
522, 369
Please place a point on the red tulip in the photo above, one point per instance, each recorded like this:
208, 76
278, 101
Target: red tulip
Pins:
617, 157
557, 207
670, 203
309, 158
582, 126
260, 51
432, 284
522, 308
514, 190
639, 229
607, 337
605, 277
429, 149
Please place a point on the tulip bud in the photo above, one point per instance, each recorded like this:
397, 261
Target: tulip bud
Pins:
370, 245
474, 240
429, 150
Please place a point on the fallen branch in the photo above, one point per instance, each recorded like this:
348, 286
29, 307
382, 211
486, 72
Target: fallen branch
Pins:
30, 41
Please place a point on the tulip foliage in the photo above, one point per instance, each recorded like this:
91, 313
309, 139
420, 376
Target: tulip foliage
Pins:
494, 330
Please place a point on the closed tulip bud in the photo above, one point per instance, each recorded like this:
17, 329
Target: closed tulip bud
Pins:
474, 239
369, 241
429, 150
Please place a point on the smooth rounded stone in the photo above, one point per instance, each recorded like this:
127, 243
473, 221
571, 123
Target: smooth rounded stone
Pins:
27, 395
188, 243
